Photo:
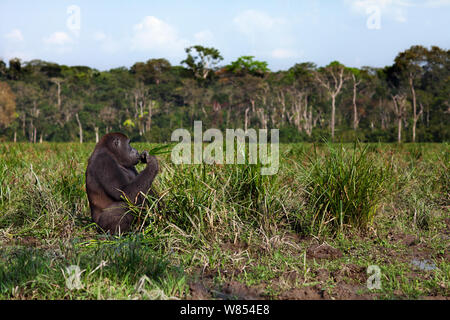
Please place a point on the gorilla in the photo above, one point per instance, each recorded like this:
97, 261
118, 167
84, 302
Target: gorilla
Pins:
111, 175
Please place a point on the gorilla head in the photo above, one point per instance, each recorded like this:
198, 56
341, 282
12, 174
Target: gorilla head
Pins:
118, 145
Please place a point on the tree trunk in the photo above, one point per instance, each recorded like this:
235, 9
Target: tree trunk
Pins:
150, 114
399, 110
15, 136
80, 128
23, 124
30, 132
262, 117
415, 117
96, 134
355, 109
59, 95
333, 114
246, 119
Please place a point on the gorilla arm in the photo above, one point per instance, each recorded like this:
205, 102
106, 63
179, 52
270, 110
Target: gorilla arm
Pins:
124, 181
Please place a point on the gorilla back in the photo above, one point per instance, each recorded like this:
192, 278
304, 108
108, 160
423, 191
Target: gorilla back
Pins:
111, 176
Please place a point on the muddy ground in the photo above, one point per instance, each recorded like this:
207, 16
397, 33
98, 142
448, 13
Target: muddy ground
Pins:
349, 282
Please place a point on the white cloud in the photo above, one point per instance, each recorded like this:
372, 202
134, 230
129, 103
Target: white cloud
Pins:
252, 22
153, 34
267, 36
281, 53
99, 36
264, 30
106, 42
10, 54
58, 38
204, 37
14, 35
437, 3
393, 9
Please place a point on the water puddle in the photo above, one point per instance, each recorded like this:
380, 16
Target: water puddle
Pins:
426, 265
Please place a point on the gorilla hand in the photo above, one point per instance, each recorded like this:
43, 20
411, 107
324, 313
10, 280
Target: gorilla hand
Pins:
144, 157
151, 161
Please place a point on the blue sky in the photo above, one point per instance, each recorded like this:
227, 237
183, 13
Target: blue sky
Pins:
110, 34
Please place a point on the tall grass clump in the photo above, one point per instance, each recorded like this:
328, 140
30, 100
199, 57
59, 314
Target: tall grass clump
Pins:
211, 201
343, 188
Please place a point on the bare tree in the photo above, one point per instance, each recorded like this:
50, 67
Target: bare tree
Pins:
79, 127
355, 109
399, 108
332, 79
58, 82
416, 115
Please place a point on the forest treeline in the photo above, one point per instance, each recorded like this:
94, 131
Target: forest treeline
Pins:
407, 101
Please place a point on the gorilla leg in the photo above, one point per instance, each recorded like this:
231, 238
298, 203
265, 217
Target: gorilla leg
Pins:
114, 219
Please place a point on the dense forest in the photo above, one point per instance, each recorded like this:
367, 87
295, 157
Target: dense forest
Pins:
407, 101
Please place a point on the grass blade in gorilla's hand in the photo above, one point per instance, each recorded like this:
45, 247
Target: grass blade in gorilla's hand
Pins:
160, 150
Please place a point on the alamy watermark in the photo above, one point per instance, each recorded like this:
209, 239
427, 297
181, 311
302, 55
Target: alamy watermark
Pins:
73, 22
374, 281
259, 149
72, 274
374, 19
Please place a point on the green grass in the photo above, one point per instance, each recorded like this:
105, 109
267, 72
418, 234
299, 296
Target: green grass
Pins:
221, 224
343, 187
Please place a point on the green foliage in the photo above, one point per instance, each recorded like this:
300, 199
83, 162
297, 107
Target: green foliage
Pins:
343, 188
202, 60
151, 99
129, 123
247, 64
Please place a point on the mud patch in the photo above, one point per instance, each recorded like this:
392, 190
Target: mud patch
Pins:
346, 291
234, 247
323, 251
28, 241
306, 293
198, 291
322, 275
351, 271
235, 290
408, 240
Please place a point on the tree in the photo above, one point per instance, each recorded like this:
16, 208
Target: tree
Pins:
300, 84
3, 70
15, 69
156, 69
332, 78
247, 65
356, 81
201, 60
7, 105
58, 82
435, 88
409, 66
29, 96
151, 72
399, 108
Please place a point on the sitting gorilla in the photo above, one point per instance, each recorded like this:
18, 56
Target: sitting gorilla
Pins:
111, 175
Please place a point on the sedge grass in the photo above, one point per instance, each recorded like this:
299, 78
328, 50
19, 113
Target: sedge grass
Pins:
343, 188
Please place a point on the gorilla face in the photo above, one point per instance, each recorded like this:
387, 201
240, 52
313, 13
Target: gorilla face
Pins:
133, 154
126, 155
